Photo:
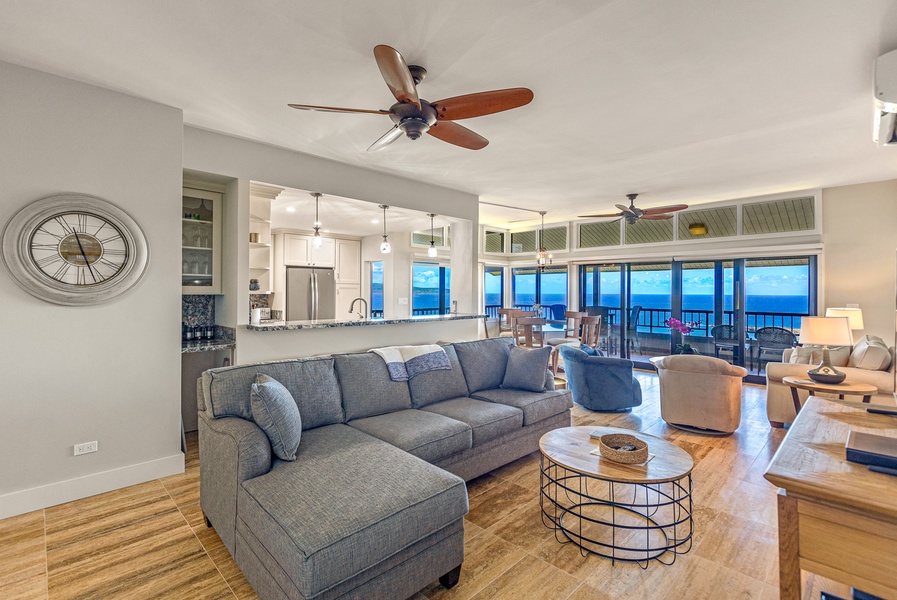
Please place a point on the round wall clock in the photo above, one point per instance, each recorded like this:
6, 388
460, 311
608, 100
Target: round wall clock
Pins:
74, 249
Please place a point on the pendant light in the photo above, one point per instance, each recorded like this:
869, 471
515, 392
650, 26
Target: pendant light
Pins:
316, 240
541, 257
431, 251
385, 248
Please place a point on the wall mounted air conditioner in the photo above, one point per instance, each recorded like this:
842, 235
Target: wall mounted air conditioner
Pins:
884, 129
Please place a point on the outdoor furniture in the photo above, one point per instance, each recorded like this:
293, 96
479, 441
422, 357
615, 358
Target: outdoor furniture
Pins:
632, 328
772, 341
598, 382
558, 312
699, 393
725, 339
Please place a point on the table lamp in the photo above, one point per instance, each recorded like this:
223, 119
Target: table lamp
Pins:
855, 315
825, 331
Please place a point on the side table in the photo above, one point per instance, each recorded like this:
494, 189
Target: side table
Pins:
847, 388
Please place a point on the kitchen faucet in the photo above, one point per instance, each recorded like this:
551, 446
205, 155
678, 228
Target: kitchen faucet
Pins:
361, 315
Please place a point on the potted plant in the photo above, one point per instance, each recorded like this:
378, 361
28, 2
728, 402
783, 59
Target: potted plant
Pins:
684, 329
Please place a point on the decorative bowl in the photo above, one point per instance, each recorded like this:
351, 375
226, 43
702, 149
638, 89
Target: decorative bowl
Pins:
623, 448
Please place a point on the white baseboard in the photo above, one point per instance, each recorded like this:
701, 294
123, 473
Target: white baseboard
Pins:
21, 502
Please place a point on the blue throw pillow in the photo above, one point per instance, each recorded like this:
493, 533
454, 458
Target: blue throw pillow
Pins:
526, 369
589, 350
275, 411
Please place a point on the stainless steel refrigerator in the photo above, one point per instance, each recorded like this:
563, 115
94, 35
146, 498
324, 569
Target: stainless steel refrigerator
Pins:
311, 294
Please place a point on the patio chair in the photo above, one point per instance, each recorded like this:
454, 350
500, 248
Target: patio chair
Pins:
632, 329
725, 339
773, 341
558, 312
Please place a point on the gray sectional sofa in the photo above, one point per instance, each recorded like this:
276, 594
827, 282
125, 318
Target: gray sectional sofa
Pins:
373, 505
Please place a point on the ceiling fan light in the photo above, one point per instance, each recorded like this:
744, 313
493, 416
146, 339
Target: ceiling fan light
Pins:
697, 229
414, 128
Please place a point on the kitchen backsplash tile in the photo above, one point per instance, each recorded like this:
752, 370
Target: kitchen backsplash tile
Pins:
197, 311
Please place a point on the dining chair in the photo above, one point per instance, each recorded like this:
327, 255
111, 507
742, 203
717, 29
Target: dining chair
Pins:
528, 331
506, 321
590, 335
573, 321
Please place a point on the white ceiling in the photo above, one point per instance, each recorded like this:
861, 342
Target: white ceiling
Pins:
345, 215
688, 101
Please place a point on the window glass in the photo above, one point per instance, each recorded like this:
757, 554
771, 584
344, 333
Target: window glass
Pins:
649, 232
493, 290
377, 288
523, 287
494, 242
523, 241
430, 289
715, 222
596, 235
554, 238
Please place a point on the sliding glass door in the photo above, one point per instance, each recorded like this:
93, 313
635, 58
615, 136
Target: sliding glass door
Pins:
723, 304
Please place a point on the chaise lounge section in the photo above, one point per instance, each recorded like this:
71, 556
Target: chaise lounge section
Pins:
373, 504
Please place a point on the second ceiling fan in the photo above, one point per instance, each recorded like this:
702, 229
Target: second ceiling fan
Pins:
414, 117
633, 214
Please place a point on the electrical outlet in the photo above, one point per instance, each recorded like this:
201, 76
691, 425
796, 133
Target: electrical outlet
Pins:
403, 301
86, 448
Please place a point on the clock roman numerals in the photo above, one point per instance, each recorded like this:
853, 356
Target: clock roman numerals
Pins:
68, 248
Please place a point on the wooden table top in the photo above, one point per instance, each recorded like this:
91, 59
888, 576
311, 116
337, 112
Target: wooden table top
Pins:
570, 448
811, 460
845, 387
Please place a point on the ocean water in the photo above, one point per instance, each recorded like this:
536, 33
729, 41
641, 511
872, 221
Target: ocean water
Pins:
771, 304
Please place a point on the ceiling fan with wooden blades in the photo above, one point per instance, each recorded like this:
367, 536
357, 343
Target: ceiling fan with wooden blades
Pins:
414, 117
633, 214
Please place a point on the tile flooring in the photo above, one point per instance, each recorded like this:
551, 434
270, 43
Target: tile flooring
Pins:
150, 541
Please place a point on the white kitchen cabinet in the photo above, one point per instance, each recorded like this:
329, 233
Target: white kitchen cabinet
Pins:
348, 261
298, 250
201, 242
345, 293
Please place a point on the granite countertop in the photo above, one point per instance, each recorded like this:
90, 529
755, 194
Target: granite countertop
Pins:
207, 345
355, 322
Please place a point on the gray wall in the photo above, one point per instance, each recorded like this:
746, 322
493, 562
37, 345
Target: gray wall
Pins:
110, 372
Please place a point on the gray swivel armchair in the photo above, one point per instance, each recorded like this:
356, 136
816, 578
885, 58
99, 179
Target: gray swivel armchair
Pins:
600, 383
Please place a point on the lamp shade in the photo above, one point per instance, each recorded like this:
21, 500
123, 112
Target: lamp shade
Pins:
825, 331
855, 315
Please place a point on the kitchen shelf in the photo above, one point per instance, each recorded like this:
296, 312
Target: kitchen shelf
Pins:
197, 221
197, 275
197, 248
258, 245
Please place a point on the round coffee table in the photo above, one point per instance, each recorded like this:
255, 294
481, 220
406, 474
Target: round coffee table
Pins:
632, 513
850, 388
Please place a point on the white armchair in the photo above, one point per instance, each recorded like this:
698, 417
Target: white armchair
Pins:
700, 393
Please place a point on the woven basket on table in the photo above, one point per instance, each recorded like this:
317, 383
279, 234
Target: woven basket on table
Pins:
610, 442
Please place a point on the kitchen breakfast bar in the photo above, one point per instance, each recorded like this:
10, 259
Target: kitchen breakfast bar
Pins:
278, 340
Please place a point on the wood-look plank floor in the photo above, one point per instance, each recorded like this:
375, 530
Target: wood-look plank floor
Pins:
150, 541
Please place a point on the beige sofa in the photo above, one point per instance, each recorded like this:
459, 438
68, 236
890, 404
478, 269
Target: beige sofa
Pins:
779, 404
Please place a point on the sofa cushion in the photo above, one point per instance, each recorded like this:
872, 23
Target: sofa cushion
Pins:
487, 420
311, 381
435, 386
367, 500
526, 369
535, 405
367, 388
426, 435
275, 411
870, 353
484, 362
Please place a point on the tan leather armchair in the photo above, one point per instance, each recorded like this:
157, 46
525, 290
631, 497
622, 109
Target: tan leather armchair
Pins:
699, 393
